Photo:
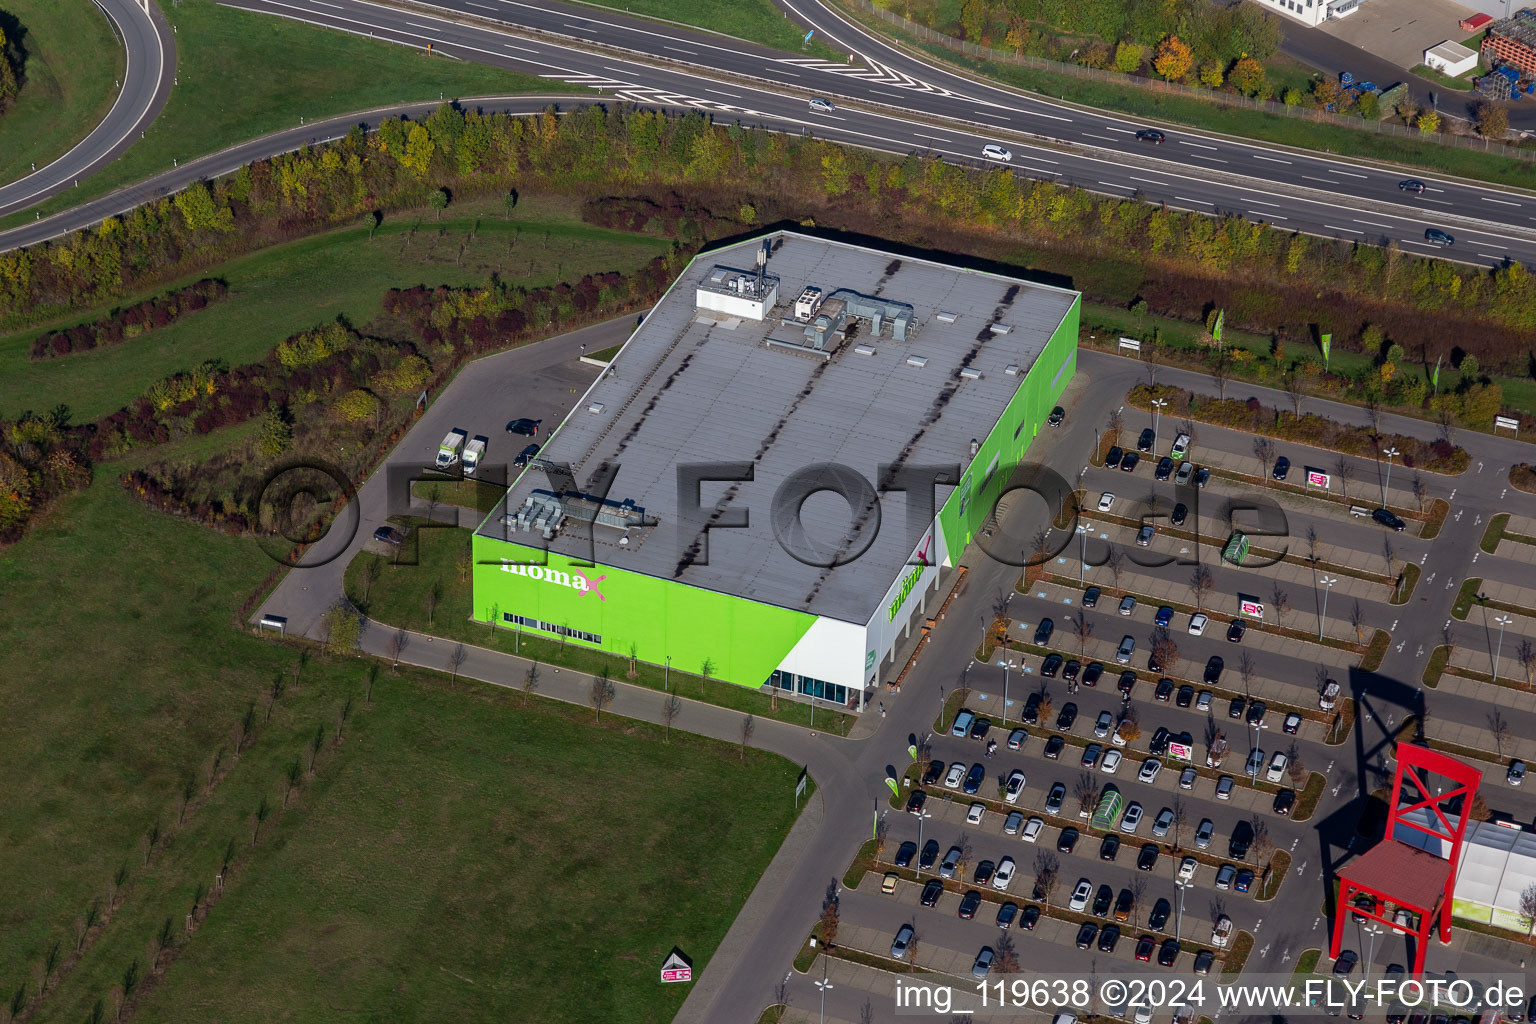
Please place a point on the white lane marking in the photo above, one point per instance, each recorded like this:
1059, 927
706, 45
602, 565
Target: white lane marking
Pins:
1415, 241
1039, 170
988, 113
424, 28
483, 7
674, 49
1486, 256
1197, 145
1370, 223
937, 138
1501, 202
1352, 231
882, 92
1212, 159
1442, 202
524, 49
791, 74
1260, 202
1116, 184
1325, 181
338, 7
1271, 159
1266, 216
1106, 138
1053, 117
1149, 181
717, 92
1123, 131
1202, 202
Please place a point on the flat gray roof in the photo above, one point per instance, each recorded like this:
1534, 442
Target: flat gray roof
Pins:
694, 386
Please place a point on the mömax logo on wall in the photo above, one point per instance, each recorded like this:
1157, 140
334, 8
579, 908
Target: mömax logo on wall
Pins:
573, 580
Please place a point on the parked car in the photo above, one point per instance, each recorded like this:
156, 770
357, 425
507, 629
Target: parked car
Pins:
1164, 469
1187, 777
980, 727
1006, 915
1066, 716
1003, 876
1204, 832
1145, 534
962, 726
1256, 711
1111, 762
1032, 829
1016, 738
1284, 801
888, 883
1127, 605
1145, 947
1091, 596
1124, 904
1162, 823
1050, 666
1067, 841
1081, 893
389, 535
1053, 798
1109, 936
1043, 632
969, 904
1159, 915
1203, 961
1224, 876
1013, 823
1091, 754
1086, 934
1344, 966
1103, 724
1187, 868
1129, 463
526, 456
1014, 787
1127, 681
1144, 442
930, 854
1112, 458
934, 772
1202, 477
1235, 709
1071, 670
1109, 846
525, 427
1213, 666
1389, 519
1516, 774
1236, 630
1163, 617
1282, 467
931, 892
1029, 918
1057, 415
1224, 788
1054, 747
974, 779
1092, 673
1131, 819
983, 962
976, 813
905, 853
1149, 770
1186, 696
1127, 647
1102, 900
1164, 689
1185, 474
1203, 700
1168, 953
1146, 860
1292, 724
1197, 623
950, 862
1277, 766
1106, 501
915, 801
1158, 744
955, 776
900, 943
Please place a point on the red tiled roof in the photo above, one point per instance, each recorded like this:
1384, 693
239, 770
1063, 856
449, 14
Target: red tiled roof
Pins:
1403, 874
1475, 22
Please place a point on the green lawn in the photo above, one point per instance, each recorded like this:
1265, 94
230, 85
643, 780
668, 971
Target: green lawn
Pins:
69, 82
454, 852
399, 598
242, 75
287, 288
755, 20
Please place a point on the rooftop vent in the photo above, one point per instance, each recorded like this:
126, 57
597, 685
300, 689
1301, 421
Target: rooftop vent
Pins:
595, 407
1012, 370
917, 361
971, 373
999, 328
864, 350
947, 318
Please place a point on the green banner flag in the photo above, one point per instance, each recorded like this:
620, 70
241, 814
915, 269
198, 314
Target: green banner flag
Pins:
1327, 345
874, 832
1434, 380
1221, 318
895, 789
912, 751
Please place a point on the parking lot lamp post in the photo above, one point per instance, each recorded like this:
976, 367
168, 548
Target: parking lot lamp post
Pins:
1006, 666
1157, 410
1082, 561
1390, 453
666, 676
1502, 620
1178, 925
824, 984
920, 819
1327, 582
1374, 930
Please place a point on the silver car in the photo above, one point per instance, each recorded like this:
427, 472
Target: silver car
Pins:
1127, 648
1131, 820
825, 106
901, 942
1204, 833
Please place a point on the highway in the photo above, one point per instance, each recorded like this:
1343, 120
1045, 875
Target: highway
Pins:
149, 72
892, 101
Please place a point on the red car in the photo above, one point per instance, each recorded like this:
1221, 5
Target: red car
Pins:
1144, 947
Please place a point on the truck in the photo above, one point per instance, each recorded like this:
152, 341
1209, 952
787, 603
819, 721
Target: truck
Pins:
448, 451
473, 453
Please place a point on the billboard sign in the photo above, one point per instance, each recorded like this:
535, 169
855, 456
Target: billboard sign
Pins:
1317, 478
1250, 606
676, 968
1182, 751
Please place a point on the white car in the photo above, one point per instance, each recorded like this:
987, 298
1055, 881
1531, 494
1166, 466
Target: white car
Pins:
1149, 769
1187, 868
1197, 623
995, 152
1015, 786
974, 815
1111, 762
1277, 765
1080, 895
956, 775
1032, 829
1003, 877
823, 105
1131, 819
1118, 739
1106, 501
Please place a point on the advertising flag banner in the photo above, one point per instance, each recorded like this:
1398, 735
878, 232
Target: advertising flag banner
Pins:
1327, 345
1221, 318
1434, 380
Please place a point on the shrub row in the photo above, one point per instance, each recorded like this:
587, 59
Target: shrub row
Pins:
128, 322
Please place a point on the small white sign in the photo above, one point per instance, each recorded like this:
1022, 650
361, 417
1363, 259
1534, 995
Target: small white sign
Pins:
1130, 344
1506, 423
675, 968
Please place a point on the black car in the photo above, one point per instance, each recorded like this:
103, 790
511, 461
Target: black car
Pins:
1029, 918
1091, 597
1159, 916
1102, 900
1154, 663
1202, 477
1057, 415
1434, 236
389, 535
1180, 514
1235, 709
1158, 744
1031, 713
934, 773
1071, 670
1344, 966
1129, 463
1164, 469
1109, 847
1146, 860
973, 780
1086, 934
929, 856
932, 891
1053, 747
1050, 666
1066, 716
983, 873
526, 427
905, 854
1144, 442
1389, 520
1151, 135
1043, 632
1006, 914
1213, 666
1168, 952
968, 904
980, 728
1186, 696
1236, 630
1092, 673
1203, 961
1164, 689
1127, 681
1282, 467
1068, 839
1256, 710
915, 801
1108, 937
1112, 459
1242, 838
1284, 801
1411, 185
526, 455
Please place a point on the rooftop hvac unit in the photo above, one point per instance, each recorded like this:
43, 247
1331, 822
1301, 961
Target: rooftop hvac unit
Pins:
1012, 370
999, 328
595, 407
807, 303
864, 350
917, 361
970, 373
947, 318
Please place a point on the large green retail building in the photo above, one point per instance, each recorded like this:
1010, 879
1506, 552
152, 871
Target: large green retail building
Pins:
753, 482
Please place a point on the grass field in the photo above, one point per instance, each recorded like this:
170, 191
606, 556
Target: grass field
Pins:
755, 20
69, 82
454, 850
242, 75
290, 287
398, 598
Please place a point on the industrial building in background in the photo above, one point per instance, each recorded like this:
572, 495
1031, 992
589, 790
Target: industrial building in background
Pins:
768, 478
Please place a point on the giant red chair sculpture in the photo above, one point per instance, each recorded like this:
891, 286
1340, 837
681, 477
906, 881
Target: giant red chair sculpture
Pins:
1406, 876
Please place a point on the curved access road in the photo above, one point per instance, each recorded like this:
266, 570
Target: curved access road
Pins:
147, 78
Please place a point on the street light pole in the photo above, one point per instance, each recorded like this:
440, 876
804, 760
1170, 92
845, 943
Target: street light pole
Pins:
1178, 925
666, 676
1157, 410
1374, 930
1502, 620
1390, 453
1327, 582
824, 984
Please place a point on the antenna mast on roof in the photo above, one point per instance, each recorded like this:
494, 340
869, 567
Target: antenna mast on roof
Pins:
762, 263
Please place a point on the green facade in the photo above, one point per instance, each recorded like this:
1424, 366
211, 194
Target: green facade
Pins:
744, 640
969, 504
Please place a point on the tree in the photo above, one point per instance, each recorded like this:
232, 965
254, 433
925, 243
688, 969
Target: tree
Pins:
464, 561
1115, 563
670, 709
1082, 631
966, 849
600, 694
508, 203
434, 595
530, 680
1280, 600
1326, 92
1498, 725
1211, 75
1312, 540
1420, 491
1468, 367
1389, 553
1086, 790
262, 810
1248, 670
398, 642
438, 200
1138, 887
829, 914
1247, 77
343, 628
1263, 843
1297, 768
706, 669
748, 726
1165, 649
1201, 581
295, 773
1526, 655
1047, 875
1295, 387
1491, 120
1180, 819
315, 744
1114, 425
1528, 905
244, 730
456, 662
1007, 959
1344, 470
1173, 59
1264, 451
1429, 122
1219, 367
1128, 57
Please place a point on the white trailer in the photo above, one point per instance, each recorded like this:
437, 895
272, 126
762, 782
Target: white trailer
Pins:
473, 453
448, 451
